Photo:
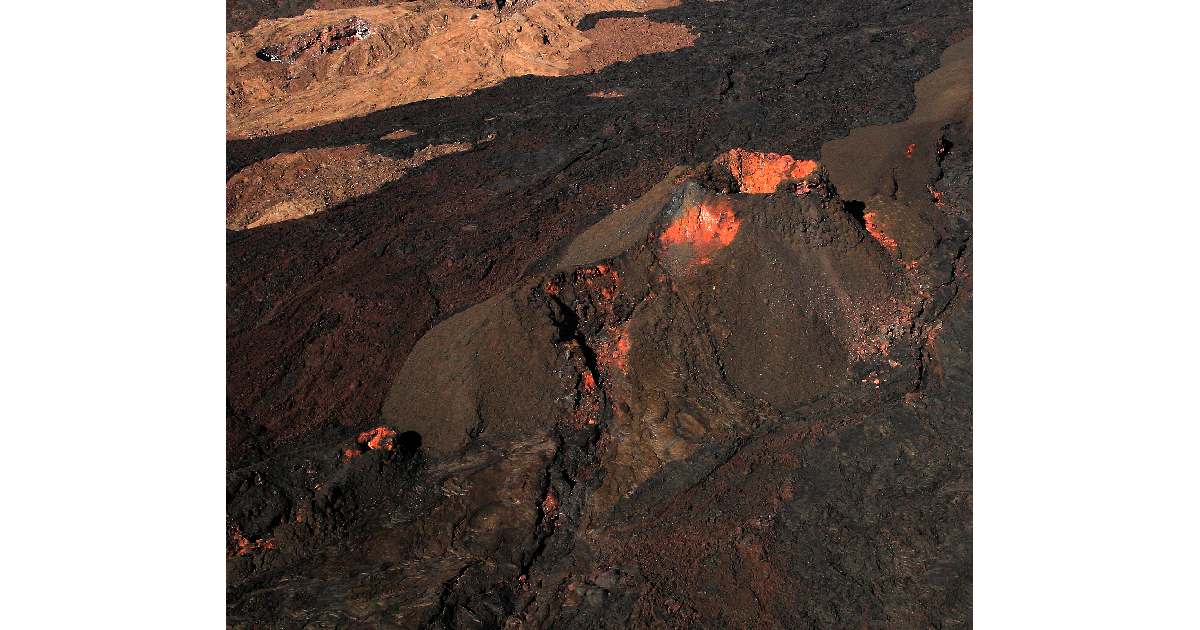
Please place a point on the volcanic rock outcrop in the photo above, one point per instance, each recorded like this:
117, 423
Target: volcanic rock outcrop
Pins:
318, 42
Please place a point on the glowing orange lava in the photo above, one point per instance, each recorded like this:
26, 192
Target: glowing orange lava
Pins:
908, 152
612, 353
602, 279
550, 505
245, 547
620, 356
870, 218
708, 226
759, 173
378, 438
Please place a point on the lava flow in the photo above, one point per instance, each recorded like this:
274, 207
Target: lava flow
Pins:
378, 438
707, 227
871, 220
760, 173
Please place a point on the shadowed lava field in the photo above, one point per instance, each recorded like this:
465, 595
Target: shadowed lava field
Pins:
599, 314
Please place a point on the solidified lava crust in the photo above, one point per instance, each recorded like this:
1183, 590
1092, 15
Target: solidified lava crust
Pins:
672, 332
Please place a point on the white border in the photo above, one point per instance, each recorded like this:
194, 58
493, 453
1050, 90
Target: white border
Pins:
113, 257
1085, 233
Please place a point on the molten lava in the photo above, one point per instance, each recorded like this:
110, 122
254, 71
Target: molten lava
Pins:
759, 173
378, 438
872, 222
620, 357
550, 504
707, 227
246, 547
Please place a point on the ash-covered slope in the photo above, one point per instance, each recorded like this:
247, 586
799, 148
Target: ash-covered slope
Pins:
738, 396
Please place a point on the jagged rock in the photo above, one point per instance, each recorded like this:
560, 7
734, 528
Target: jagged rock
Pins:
317, 42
